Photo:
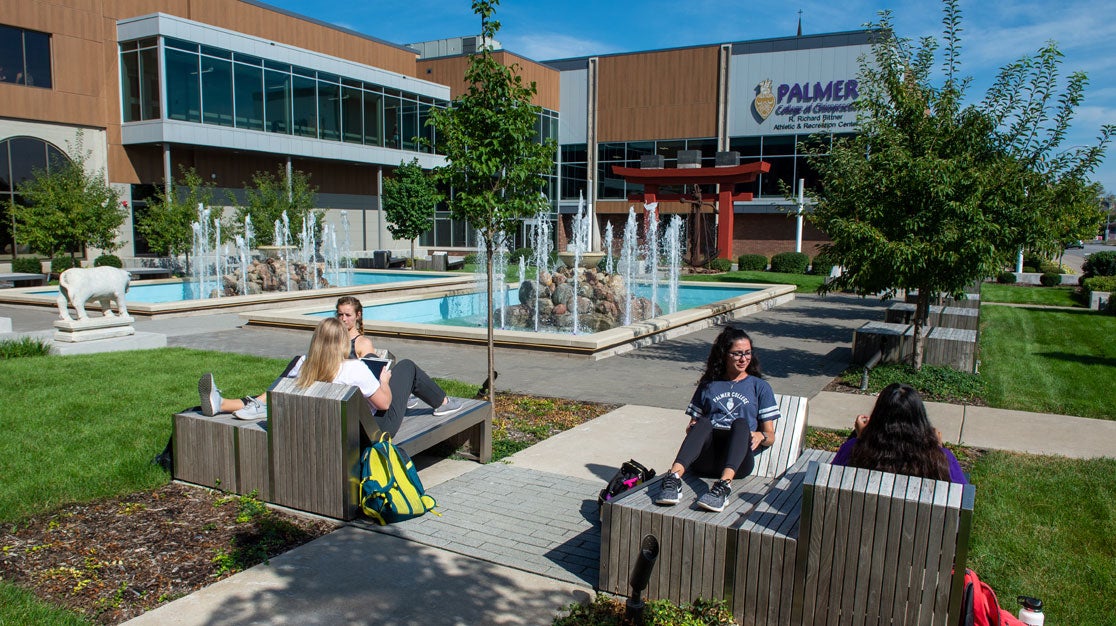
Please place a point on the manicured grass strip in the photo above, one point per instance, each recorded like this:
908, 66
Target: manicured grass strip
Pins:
804, 283
81, 427
1060, 362
18, 606
1021, 294
1043, 527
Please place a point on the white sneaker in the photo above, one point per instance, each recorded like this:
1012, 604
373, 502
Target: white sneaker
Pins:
253, 410
210, 395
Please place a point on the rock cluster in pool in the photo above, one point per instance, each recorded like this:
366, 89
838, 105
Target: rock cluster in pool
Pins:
601, 302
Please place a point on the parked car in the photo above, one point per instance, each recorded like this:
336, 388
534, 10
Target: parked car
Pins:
1075, 244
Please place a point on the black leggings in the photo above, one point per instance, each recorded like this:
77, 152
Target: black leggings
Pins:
708, 451
406, 379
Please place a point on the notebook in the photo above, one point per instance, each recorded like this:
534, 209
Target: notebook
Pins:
376, 364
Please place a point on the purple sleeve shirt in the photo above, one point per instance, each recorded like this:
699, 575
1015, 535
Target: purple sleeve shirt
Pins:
956, 474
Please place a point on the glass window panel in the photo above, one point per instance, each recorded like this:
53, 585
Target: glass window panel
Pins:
302, 71
609, 186
276, 65
11, 53
409, 122
746, 146
708, 147
5, 173
130, 87
669, 149
277, 90
171, 42
37, 48
148, 42
782, 171
249, 97
804, 170
349, 82
391, 121
305, 99
639, 149
28, 155
574, 152
442, 232
373, 119
128, 45
352, 114
217, 101
247, 58
329, 110
149, 83
216, 52
329, 78
611, 152
55, 157
425, 130
778, 146
183, 91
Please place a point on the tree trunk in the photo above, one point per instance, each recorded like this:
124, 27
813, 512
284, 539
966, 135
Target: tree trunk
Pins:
922, 310
490, 249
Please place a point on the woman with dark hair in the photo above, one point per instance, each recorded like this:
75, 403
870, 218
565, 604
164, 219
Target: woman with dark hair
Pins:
351, 314
898, 438
732, 413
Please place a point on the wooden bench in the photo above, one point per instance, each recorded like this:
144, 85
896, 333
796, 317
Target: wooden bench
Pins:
305, 455
696, 547
23, 279
841, 545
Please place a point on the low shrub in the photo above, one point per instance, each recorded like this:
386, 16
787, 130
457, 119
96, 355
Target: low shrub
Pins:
1050, 279
23, 347
108, 260
1051, 267
1100, 264
1030, 269
751, 263
1033, 259
605, 611
790, 263
60, 264
471, 259
821, 265
1098, 283
27, 265
518, 253
1006, 278
721, 265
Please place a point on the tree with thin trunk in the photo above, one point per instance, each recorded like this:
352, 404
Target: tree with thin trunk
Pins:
409, 198
933, 195
496, 163
167, 223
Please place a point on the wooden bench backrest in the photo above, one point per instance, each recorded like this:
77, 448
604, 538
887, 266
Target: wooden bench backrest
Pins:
881, 548
790, 430
314, 444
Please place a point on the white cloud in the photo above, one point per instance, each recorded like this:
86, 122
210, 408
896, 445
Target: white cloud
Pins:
547, 46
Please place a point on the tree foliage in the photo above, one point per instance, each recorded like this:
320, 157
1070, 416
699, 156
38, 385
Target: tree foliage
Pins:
269, 196
495, 163
932, 194
409, 199
167, 224
69, 207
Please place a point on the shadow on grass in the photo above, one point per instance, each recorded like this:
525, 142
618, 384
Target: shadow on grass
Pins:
1084, 359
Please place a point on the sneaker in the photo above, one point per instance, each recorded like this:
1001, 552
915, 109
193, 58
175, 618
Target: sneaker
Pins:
449, 407
253, 410
210, 396
413, 402
670, 490
714, 500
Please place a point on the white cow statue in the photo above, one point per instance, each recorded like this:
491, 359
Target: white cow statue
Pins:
81, 284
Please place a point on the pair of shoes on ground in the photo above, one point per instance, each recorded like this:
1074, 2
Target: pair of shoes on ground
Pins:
670, 493
211, 399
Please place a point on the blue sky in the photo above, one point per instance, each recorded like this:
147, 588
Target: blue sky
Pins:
995, 32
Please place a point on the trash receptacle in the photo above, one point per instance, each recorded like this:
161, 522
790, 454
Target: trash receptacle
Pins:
381, 259
364, 263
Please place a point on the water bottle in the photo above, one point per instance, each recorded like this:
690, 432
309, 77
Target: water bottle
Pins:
1031, 613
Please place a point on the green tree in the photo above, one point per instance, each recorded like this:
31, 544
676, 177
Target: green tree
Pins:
69, 207
933, 195
167, 224
269, 196
409, 199
495, 162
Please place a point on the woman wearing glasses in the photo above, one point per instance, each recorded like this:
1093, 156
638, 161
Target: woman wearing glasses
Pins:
732, 414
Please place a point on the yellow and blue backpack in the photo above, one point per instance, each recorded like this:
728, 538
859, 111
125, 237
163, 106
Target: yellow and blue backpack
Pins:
390, 489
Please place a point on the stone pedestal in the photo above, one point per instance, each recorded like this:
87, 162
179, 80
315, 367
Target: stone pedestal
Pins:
75, 331
5, 324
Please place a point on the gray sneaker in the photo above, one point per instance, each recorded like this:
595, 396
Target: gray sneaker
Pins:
670, 490
449, 407
253, 410
210, 395
714, 499
413, 402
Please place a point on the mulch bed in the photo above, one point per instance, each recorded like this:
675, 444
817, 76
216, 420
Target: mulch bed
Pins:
114, 559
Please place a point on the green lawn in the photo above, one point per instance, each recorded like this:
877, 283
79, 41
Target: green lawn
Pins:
1020, 294
804, 283
1049, 361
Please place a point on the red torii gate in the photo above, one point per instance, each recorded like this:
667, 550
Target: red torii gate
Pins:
726, 177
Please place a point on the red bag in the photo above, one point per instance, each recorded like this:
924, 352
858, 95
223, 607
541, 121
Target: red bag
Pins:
979, 606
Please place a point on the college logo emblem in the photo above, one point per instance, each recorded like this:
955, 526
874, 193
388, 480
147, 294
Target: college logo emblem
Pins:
765, 100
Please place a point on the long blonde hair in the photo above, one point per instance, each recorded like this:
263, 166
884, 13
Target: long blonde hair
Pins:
328, 348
